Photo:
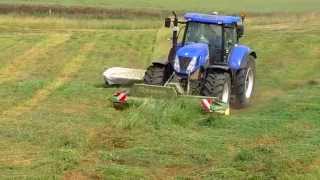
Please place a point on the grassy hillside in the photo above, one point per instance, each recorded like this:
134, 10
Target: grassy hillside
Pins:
56, 120
191, 5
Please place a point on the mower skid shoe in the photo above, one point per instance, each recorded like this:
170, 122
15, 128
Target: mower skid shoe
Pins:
123, 76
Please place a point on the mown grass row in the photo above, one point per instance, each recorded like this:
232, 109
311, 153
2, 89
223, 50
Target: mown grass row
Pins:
75, 132
52, 136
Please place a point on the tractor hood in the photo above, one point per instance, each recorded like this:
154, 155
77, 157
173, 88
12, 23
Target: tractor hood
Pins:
194, 49
191, 57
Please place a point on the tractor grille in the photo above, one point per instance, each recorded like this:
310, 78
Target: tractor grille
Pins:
184, 63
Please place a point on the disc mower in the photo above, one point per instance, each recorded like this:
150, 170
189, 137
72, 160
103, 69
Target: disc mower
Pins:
208, 64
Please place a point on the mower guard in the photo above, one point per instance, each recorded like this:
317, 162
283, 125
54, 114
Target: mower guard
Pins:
123, 76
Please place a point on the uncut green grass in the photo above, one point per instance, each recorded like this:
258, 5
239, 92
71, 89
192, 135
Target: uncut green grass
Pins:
75, 132
192, 5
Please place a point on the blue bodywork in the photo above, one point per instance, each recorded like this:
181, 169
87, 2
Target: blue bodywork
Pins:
192, 56
237, 57
212, 19
197, 52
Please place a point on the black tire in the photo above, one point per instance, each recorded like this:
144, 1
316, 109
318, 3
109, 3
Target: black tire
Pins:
195, 87
240, 87
215, 84
156, 74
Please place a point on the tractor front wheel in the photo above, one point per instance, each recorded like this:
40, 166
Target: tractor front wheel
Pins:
217, 84
156, 74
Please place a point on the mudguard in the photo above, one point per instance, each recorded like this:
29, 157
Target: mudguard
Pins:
238, 57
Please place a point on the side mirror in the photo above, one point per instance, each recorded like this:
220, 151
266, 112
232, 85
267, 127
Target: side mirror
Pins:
240, 31
167, 23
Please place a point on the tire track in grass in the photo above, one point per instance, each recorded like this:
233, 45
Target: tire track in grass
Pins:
16, 68
66, 74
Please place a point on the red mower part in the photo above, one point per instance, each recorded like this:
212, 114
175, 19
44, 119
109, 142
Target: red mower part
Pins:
210, 105
206, 104
120, 99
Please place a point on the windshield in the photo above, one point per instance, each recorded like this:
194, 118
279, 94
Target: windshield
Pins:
204, 33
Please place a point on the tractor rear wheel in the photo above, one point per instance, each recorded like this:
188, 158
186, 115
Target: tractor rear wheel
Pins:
156, 74
244, 83
217, 84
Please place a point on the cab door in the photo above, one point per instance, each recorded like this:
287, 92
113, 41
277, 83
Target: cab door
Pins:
230, 39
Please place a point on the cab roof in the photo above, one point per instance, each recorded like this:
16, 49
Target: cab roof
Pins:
212, 19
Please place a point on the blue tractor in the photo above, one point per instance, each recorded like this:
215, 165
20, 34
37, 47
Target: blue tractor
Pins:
206, 59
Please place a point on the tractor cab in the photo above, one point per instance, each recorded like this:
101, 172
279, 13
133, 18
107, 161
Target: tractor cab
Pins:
207, 40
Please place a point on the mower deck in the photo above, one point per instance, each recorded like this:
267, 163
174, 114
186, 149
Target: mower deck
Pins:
140, 92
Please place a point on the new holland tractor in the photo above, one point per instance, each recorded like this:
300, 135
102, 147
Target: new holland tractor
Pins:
206, 59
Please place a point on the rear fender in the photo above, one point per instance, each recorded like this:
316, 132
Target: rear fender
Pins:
238, 57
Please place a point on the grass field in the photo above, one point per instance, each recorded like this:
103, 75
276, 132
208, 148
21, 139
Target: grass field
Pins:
194, 5
56, 120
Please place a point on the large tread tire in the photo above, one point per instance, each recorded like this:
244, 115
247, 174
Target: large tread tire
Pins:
214, 85
195, 88
155, 75
241, 100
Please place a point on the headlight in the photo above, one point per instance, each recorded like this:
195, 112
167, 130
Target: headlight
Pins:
192, 65
176, 64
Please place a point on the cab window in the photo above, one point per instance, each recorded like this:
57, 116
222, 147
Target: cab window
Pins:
230, 38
